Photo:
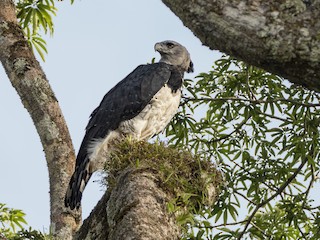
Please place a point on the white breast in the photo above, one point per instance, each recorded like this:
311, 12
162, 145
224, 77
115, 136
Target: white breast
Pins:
155, 116
150, 121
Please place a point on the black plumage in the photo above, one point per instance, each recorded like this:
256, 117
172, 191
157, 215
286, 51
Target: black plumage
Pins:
126, 100
139, 106
123, 102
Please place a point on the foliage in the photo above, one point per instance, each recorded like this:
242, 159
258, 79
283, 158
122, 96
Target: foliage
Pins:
264, 135
262, 132
192, 182
35, 16
10, 220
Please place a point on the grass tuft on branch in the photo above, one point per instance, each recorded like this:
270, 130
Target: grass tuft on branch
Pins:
192, 182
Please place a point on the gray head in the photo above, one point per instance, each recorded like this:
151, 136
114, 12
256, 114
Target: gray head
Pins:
175, 54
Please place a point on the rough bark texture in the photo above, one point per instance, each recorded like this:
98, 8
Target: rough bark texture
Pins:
134, 209
280, 36
96, 225
38, 98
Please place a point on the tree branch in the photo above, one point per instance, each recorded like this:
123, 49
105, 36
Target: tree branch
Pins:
135, 208
96, 225
245, 197
221, 225
252, 101
270, 186
279, 191
38, 98
236, 129
279, 36
142, 180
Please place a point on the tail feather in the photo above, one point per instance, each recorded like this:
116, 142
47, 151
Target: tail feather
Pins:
77, 185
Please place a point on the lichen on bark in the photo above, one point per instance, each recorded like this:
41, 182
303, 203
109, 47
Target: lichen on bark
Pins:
280, 36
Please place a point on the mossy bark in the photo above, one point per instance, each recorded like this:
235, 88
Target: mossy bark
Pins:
142, 180
280, 36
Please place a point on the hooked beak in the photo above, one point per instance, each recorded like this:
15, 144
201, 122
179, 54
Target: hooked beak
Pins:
158, 47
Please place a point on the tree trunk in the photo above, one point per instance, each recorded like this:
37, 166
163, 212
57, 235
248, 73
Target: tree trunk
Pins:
136, 208
143, 181
280, 36
38, 98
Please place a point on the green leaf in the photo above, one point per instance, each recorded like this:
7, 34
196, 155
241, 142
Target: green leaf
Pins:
260, 146
27, 19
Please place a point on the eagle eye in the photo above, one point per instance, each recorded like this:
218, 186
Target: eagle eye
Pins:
169, 44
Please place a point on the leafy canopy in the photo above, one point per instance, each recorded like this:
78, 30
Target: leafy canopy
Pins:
35, 17
263, 133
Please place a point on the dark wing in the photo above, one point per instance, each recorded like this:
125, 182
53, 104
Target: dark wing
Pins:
125, 101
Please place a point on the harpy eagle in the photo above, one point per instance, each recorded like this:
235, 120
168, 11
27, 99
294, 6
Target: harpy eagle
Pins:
139, 106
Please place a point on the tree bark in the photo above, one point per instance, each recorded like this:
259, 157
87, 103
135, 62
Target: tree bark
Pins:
280, 36
96, 225
136, 208
38, 98
144, 181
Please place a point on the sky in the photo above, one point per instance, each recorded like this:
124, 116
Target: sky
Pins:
96, 43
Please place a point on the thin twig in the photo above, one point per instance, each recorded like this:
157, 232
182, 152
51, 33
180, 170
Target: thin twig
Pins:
271, 187
302, 233
242, 195
253, 101
260, 230
310, 186
221, 225
251, 95
275, 117
280, 190
230, 134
